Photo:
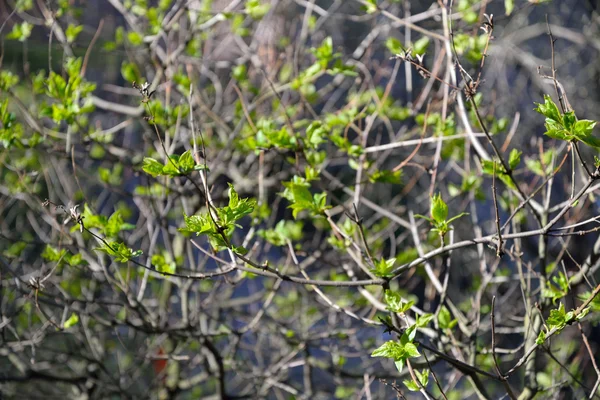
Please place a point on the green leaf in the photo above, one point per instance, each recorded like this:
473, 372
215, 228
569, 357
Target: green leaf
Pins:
135, 38
186, 162
21, 31
549, 109
72, 32
234, 199
422, 377
386, 176
541, 338
160, 263
171, 167
509, 5
409, 335
591, 141
119, 251
389, 349
370, 7
72, 321
559, 290
584, 127
315, 133
411, 350
542, 167
113, 225
514, 158
583, 131
130, 72
569, 120
445, 319
395, 303
15, 249
7, 80
411, 385
583, 313
256, 10
560, 134
384, 267
24, 5
439, 209
557, 318
52, 254
393, 45
284, 231
421, 45
423, 320
152, 167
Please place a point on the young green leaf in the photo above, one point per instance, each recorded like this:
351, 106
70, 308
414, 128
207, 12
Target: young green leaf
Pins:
514, 158
549, 109
72, 321
152, 167
384, 267
445, 319
439, 209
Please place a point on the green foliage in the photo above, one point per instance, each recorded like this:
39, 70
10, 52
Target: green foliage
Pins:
445, 320
326, 62
348, 228
297, 192
176, 165
221, 223
24, 5
559, 289
20, 32
70, 94
399, 351
61, 256
283, 232
559, 319
109, 227
384, 268
72, 321
119, 251
514, 159
15, 249
10, 131
256, 9
134, 38
439, 216
543, 166
424, 320
470, 46
469, 14
393, 45
421, 45
163, 263
370, 7
303, 122
111, 176
566, 126
72, 32
269, 135
166, 115
386, 176
509, 6
423, 378
495, 168
131, 72
7, 80
395, 303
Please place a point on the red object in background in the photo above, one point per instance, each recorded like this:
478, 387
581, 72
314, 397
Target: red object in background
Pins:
160, 364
